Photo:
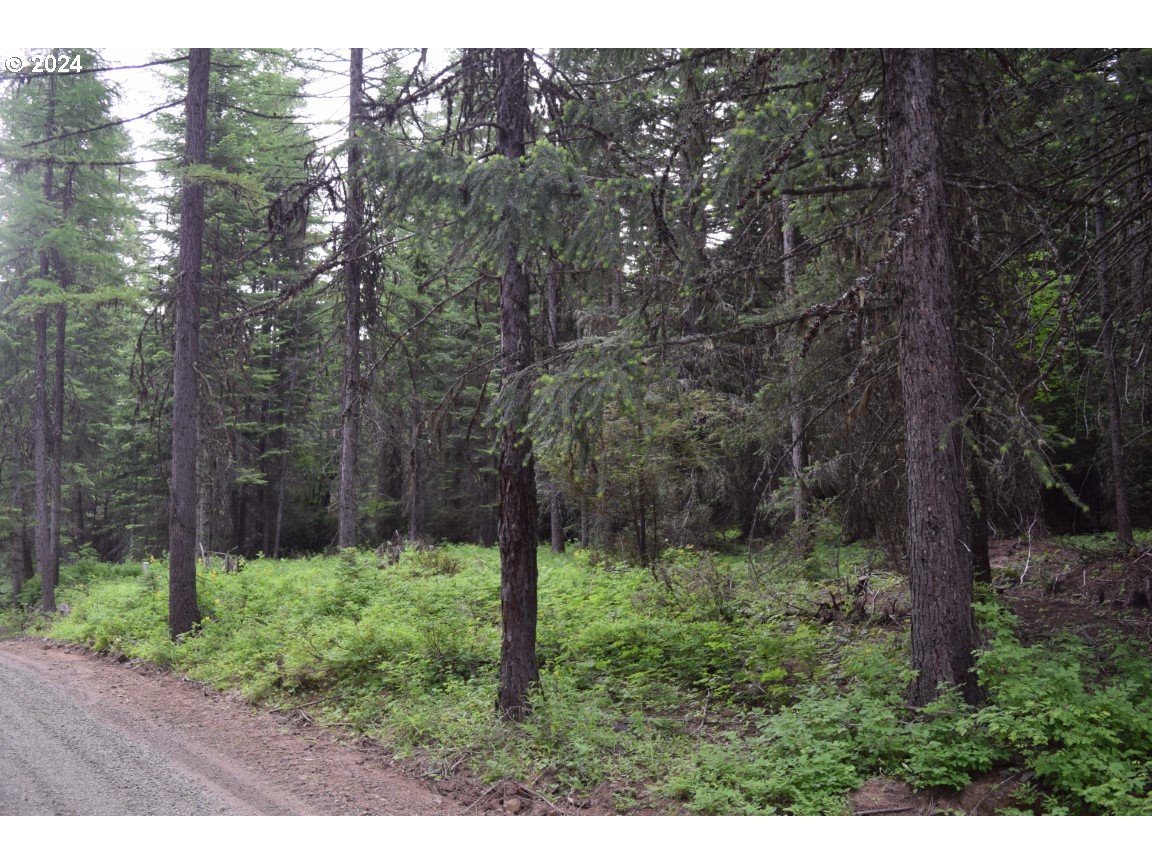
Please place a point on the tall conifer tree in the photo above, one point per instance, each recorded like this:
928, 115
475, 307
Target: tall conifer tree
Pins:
183, 608
939, 558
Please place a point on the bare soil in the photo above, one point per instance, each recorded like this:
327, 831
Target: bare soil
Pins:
1054, 589
885, 796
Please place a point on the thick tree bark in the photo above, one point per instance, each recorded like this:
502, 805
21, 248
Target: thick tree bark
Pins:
183, 609
939, 561
353, 249
517, 517
1111, 384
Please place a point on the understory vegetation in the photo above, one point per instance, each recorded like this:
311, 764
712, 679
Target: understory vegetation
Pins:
709, 683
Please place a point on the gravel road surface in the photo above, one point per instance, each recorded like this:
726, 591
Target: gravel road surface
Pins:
57, 758
82, 735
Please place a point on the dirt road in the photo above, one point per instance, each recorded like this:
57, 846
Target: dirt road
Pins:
83, 735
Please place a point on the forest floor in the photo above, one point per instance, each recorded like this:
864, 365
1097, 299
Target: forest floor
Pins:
1072, 586
1076, 586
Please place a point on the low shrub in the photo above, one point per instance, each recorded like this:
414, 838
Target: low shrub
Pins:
645, 682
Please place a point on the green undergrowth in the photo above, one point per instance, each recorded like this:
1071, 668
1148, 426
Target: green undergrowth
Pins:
699, 685
1075, 721
1103, 542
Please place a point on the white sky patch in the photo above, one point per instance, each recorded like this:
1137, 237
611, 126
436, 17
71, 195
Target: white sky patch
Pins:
141, 90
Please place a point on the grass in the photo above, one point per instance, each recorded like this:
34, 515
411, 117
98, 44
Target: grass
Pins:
700, 685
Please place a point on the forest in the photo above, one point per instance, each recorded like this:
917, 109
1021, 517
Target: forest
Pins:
717, 431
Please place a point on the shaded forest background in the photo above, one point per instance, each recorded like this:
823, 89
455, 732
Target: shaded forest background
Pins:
706, 236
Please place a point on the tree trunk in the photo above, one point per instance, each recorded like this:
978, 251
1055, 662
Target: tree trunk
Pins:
23, 567
280, 487
57, 467
556, 519
555, 507
616, 290
384, 480
693, 214
642, 531
980, 505
939, 561
41, 421
962, 125
263, 502
57, 450
797, 413
41, 437
183, 609
203, 540
353, 247
412, 503
1111, 385
264, 494
82, 537
982, 502
1139, 248
282, 472
517, 516
239, 520
26, 570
